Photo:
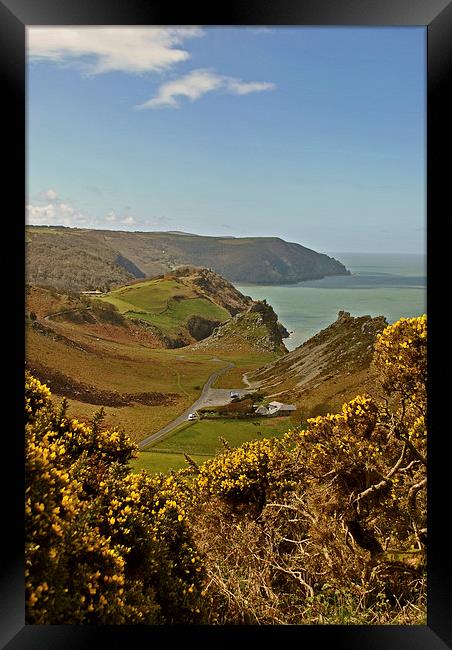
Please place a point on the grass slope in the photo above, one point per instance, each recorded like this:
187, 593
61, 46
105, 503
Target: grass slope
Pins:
167, 304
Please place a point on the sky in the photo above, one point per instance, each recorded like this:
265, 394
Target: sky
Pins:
316, 135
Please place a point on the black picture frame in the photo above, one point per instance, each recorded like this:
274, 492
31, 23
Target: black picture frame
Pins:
436, 17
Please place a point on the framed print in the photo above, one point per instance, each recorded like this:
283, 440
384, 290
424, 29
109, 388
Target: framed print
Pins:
231, 222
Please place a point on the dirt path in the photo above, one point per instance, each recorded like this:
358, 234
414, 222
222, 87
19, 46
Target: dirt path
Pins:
66, 311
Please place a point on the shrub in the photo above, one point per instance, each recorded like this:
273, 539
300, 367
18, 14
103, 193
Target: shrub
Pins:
331, 516
107, 312
103, 545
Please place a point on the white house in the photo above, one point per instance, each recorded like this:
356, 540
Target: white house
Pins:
261, 410
275, 408
280, 408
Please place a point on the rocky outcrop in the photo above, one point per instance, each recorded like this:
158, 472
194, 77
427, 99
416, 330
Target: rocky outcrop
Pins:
200, 328
325, 363
256, 328
209, 284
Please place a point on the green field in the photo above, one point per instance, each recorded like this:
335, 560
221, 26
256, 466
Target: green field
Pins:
155, 461
203, 436
152, 295
201, 440
168, 304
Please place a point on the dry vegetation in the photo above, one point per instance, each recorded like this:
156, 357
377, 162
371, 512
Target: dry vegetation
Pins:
326, 525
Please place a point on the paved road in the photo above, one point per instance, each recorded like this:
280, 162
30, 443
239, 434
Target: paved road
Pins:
209, 397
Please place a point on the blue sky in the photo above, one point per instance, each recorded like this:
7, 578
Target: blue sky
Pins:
314, 135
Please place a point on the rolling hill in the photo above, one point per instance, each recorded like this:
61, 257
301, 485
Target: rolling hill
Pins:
326, 370
176, 306
82, 259
86, 350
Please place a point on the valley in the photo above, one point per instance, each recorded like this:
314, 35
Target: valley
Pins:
96, 357
148, 351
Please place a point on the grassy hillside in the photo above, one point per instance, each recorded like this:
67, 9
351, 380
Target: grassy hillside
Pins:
167, 304
81, 259
73, 346
326, 370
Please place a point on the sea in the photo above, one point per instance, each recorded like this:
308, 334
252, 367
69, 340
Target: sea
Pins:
390, 285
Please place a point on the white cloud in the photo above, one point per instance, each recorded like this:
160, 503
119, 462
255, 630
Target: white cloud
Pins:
193, 85
50, 195
137, 50
104, 49
244, 87
55, 214
196, 84
111, 216
124, 219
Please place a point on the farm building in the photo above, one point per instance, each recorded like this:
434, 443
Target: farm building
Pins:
276, 408
280, 408
261, 410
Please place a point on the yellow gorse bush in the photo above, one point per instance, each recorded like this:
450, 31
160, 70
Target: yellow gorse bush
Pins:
103, 545
242, 475
401, 359
247, 536
320, 506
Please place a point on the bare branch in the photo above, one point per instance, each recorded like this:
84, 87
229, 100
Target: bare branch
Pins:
413, 449
379, 486
414, 489
409, 466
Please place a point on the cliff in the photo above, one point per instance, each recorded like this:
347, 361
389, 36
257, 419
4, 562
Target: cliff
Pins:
80, 259
255, 329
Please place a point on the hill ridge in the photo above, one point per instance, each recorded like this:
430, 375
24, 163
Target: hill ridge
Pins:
83, 259
333, 364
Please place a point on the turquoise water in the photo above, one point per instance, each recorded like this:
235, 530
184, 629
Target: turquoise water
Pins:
393, 286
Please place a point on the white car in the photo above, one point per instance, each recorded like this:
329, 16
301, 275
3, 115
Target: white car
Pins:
192, 416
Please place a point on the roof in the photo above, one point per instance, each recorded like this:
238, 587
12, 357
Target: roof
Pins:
282, 407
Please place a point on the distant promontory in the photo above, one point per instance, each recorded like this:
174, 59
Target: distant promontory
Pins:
81, 259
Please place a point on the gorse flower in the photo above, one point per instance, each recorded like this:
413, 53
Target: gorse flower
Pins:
96, 549
271, 531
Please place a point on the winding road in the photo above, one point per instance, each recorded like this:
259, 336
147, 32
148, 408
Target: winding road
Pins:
209, 397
